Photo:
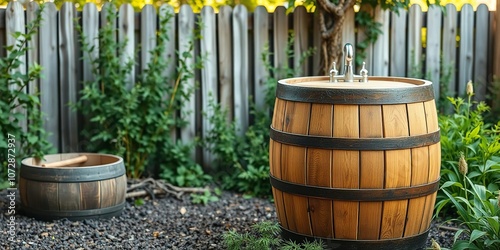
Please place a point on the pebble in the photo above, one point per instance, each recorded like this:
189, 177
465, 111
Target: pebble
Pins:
163, 223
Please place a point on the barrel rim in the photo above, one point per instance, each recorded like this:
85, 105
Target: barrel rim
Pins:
408, 80
73, 174
373, 96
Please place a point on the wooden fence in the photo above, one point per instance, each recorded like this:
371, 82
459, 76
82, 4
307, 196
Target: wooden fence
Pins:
233, 40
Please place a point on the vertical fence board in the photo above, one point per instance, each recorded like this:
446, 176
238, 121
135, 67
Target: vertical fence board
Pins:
49, 83
381, 46
224, 34
68, 77
414, 41
466, 47
433, 48
398, 43
148, 34
31, 11
316, 58
280, 30
186, 43
361, 36
450, 44
3, 37
348, 35
169, 73
301, 44
15, 23
261, 42
481, 52
126, 28
240, 68
208, 73
90, 29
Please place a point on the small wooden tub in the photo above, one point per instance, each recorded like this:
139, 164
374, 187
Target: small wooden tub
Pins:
355, 164
95, 188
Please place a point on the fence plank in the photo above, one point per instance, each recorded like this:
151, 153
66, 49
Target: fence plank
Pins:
433, 48
148, 34
361, 36
261, 42
90, 29
450, 45
208, 73
413, 67
49, 83
68, 77
15, 23
466, 47
316, 58
280, 30
31, 12
186, 46
240, 68
398, 43
224, 34
481, 52
381, 46
348, 35
167, 11
126, 28
301, 43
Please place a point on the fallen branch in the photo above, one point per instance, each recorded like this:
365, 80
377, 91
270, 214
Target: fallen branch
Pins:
449, 228
153, 187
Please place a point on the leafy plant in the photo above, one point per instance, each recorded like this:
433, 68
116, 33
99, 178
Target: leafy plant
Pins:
136, 122
244, 162
17, 106
206, 197
264, 235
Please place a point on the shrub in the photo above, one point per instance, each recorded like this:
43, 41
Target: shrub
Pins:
17, 106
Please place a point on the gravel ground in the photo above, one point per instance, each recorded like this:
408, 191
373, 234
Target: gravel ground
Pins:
163, 223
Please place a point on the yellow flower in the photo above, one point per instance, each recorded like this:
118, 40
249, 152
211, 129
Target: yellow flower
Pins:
462, 164
470, 89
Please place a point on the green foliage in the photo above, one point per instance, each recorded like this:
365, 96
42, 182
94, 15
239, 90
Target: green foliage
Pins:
13, 86
136, 121
206, 197
470, 173
264, 235
244, 162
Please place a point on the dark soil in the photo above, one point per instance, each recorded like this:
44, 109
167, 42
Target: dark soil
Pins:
162, 223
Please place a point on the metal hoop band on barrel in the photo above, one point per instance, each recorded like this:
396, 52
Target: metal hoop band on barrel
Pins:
407, 243
387, 194
355, 143
296, 93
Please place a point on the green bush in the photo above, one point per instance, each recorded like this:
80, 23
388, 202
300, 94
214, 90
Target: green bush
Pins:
470, 172
15, 142
136, 122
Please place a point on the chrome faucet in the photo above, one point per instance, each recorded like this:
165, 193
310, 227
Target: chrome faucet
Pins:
348, 75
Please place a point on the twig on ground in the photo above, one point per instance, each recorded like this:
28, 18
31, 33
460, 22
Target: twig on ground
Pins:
160, 187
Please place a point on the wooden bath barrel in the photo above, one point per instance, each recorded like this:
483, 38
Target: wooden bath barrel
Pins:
95, 188
355, 164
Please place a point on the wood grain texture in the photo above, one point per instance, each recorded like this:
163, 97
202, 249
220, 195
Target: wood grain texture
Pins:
148, 34
241, 72
397, 169
450, 42
69, 196
68, 85
319, 171
280, 33
224, 34
398, 43
481, 39
381, 46
186, 34
275, 156
372, 172
260, 45
294, 166
419, 169
126, 29
433, 48
90, 195
300, 43
466, 54
345, 173
108, 192
208, 46
414, 52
